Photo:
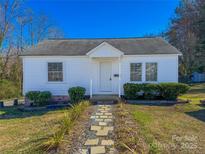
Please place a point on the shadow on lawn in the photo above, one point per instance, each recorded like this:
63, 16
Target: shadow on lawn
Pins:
12, 112
200, 114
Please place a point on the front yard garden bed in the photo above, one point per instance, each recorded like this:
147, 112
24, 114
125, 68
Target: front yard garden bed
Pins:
42, 131
157, 102
127, 137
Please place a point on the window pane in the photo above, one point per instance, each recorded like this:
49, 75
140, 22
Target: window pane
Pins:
151, 71
55, 71
136, 72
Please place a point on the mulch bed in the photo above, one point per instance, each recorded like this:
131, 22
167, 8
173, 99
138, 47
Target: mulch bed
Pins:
127, 138
77, 136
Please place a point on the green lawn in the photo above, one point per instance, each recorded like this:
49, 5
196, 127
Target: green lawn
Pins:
196, 93
23, 132
175, 129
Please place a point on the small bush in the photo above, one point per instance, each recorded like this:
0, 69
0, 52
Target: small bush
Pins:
151, 91
168, 91
171, 91
44, 97
76, 94
132, 91
39, 98
9, 89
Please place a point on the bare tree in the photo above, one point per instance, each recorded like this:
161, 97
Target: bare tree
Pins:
20, 28
8, 12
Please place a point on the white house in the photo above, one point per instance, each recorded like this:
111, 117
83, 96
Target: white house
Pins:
101, 66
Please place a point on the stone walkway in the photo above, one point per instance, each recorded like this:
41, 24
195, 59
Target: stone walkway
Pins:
100, 135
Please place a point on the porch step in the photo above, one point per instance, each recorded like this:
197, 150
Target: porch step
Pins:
101, 99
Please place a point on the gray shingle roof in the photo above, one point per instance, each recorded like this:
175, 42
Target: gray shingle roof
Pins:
75, 47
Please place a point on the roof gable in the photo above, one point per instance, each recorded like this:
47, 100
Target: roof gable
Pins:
105, 50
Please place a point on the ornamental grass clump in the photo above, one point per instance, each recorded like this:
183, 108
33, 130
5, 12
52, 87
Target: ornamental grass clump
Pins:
66, 124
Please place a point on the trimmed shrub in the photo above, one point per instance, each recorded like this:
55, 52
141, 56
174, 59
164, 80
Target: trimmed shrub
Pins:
44, 97
151, 91
168, 91
39, 98
132, 91
171, 91
9, 89
76, 94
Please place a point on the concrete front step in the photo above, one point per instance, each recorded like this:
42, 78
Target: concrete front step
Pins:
105, 99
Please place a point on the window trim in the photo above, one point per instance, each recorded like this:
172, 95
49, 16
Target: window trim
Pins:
137, 81
63, 70
148, 81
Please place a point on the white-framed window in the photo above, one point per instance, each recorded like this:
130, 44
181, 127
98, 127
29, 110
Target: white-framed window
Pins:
135, 71
151, 71
55, 71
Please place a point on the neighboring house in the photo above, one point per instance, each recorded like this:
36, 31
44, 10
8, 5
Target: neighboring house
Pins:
102, 66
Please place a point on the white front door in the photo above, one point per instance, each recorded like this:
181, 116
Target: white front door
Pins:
106, 76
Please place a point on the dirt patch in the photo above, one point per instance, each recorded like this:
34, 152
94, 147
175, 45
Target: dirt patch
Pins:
127, 138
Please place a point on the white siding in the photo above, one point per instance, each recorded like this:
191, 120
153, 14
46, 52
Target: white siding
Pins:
76, 73
167, 67
79, 70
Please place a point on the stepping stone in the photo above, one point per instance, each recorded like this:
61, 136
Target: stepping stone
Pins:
101, 105
93, 117
99, 114
95, 128
97, 150
102, 124
103, 111
108, 105
83, 151
98, 119
107, 142
107, 120
109, 128
104, 117
103, 132
109, 114
92, 141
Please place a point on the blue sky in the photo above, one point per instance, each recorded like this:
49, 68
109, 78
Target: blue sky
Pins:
107, 18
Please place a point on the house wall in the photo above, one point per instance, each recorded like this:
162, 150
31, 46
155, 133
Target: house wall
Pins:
167, 67
78, 70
